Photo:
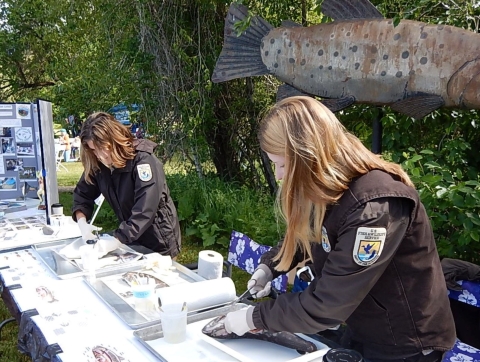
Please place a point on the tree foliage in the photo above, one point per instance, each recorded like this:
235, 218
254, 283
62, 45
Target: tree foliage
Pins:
89, 55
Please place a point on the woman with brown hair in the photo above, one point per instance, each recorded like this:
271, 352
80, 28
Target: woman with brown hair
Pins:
361, 222
132, 180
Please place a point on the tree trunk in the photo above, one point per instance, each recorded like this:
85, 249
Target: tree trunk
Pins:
268, 172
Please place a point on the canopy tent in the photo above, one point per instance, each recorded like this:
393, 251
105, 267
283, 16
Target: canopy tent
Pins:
122, 112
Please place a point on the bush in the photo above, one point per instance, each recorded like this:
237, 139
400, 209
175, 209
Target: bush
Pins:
209, 209
450, 191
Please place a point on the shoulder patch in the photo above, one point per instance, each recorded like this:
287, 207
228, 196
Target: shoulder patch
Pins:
144, 172
369, 244
325, 242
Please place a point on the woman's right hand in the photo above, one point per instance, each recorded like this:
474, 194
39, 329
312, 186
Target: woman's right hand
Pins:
87, 229
260, 283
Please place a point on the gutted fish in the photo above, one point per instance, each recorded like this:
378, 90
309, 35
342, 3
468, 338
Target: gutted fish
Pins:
414, 67
216, 329
131, 278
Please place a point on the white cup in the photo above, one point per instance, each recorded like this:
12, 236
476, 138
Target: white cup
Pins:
174, 322
89, 256
144, 294
57, 221
57, 209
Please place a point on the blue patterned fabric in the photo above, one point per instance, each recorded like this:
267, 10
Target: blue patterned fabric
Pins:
462, 352
469, 294
245, 254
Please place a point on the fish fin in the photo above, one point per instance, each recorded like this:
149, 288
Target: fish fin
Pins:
337, 104
286, 90
291, 24
347, 10
418, 106
333, 104
240, 56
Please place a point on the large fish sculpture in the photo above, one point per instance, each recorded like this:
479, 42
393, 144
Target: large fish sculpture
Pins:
360, 57
216, 329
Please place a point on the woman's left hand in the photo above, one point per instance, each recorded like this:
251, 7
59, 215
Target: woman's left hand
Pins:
240, 321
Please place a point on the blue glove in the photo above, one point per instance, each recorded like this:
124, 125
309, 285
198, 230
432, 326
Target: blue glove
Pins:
240, 321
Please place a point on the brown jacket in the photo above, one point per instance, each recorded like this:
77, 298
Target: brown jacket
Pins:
398, 305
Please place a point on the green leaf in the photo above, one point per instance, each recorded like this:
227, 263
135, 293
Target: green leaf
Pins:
441, 192
472, 183
416, 158
475, 235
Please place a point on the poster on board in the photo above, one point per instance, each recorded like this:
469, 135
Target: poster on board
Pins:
25, 167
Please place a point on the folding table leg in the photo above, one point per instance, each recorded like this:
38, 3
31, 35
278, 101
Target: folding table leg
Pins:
4, 323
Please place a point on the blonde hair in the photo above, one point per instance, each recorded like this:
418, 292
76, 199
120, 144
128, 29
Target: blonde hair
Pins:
106, 133
321, 159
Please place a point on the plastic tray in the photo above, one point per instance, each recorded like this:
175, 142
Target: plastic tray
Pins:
201, 347
126, 311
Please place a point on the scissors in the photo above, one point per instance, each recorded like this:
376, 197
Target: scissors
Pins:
240, 298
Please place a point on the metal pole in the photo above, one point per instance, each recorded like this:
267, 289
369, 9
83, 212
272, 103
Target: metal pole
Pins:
377, 132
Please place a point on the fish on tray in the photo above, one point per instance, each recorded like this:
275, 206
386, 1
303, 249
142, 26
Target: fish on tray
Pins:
131, 277
360, 57
123, 256
216, 329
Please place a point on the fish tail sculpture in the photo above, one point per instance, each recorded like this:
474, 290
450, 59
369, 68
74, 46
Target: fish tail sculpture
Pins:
216, 329
360, 57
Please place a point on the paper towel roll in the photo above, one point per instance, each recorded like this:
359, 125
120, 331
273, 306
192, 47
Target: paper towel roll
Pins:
199, 295
210, 264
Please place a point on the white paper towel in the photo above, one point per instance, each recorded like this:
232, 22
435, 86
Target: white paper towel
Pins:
199, 295
210, 264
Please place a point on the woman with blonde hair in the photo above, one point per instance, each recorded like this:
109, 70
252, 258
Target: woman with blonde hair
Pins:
132, 180
361, 222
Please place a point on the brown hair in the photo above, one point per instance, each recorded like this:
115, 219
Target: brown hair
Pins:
321, 159
108, 134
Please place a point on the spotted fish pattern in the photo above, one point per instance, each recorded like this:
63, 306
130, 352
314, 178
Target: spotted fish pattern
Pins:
360, 57
216, 329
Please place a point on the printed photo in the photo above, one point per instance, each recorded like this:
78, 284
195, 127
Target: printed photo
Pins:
8, 147
14, 164
28, 173
23, 134
22, 227
8, 183
25, 149
23, 111
6, 131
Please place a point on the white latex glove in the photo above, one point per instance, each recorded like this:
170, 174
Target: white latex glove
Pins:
260, 282
86, 229
107, 244
240, 321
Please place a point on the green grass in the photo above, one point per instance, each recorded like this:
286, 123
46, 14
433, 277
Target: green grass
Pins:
107, 220
70, 177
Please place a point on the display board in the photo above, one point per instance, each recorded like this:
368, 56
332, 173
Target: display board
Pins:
47, 147
27, 155
20, 163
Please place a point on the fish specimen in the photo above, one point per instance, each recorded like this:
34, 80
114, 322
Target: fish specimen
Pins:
131, 278
360, 57
216, 329
103, 354
45, 294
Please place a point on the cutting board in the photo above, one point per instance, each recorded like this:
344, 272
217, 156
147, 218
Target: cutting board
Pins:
199, 347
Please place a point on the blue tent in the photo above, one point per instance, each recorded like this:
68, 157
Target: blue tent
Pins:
122, 113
